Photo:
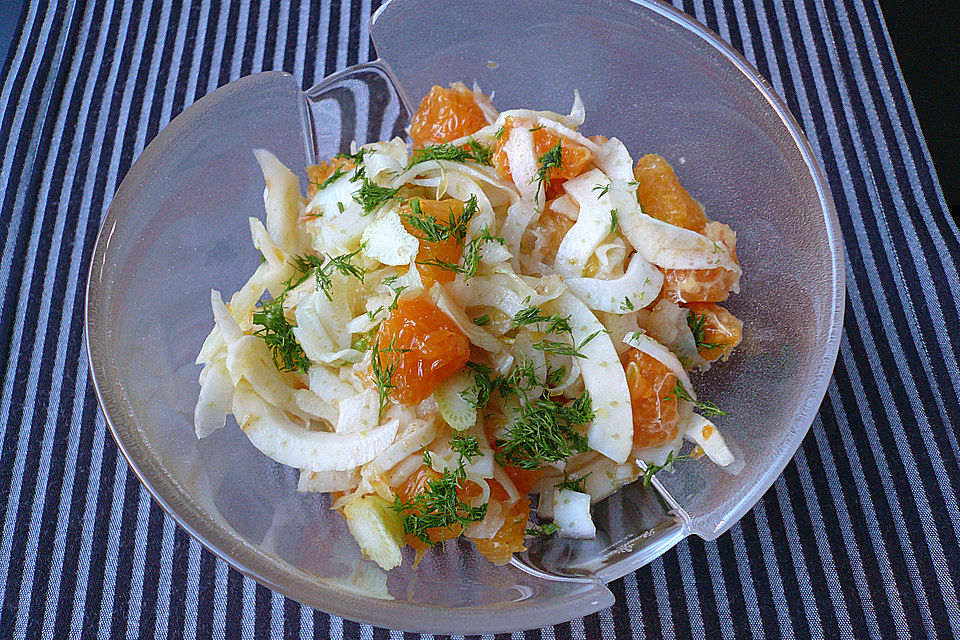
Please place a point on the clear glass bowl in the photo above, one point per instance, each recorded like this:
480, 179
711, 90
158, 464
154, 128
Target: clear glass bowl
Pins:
648, 75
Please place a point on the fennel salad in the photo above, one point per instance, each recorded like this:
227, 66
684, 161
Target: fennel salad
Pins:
503, 309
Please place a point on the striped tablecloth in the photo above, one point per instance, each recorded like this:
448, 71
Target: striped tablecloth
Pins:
859, 537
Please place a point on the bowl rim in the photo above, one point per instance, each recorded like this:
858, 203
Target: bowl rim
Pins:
267, 569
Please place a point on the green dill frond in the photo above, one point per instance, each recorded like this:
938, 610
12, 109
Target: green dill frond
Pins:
706, 408
437, 507
556, 323
466, 447
552, 159
482, 321
482, 154
573, 484
614, 224
626, 305
371, 195
277, 332
696, 324
544, 431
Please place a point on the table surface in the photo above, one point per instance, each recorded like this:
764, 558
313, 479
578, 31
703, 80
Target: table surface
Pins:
858, 538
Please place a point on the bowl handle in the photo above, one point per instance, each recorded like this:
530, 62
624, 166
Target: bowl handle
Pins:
362, 103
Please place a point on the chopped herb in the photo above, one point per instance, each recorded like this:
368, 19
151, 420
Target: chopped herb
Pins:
499, 132
556, 376
614, 225
564, 349
533, 315
603, 189
570, 484
696, 322
552, 159
340, 206
481, 154
706, 408
383, 374
435, 231
333, 177
323, 270
484, 385
471, 253
544, 431
277, 333
466, 447
262, 258
482, 321
355, 157
437, 507
446, 151
654, 468
547, 529
626, 305
363, 341
536, 128
371, 195
441, 264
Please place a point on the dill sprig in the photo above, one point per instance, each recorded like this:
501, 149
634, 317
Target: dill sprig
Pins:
437, 507
471, 253
383, 373
371, 195
322, 267
547, 529
696, 324
626, 305
603, 189
333, 177
654, 468
277, 333
434, 230
706, 408
446, 151
355, 157
484, 384
534, 315
564, 349
614, 223
466, 447
573, 484
482, 321
544, 431
552, 159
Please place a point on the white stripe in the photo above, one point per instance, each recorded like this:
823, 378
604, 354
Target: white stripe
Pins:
688, 579
219, 626
300, 53
306, 624
165, 581
150, 91
200, 50
249, 608
765, 536
18, 52
276, 615
119, 495
343, 35
722, 24
724, 615
283, 37
258, 63
86, 537
363, 48
137, 575
800, 569
192, 600
634, 609
240, 39
751, 603
662, 592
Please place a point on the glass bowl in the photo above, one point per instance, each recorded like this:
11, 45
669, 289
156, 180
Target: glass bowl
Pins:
649, 75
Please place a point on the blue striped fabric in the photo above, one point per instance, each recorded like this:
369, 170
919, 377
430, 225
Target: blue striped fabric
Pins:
858, 539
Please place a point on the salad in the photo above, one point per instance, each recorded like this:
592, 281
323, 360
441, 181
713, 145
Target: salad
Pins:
505, 309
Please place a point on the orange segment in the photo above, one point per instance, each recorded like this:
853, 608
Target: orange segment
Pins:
423, 345
703, 285
546, 234
720, 327
447, 250
662, 197
319, 172
574, 157
445, 115
509, 537
652, 398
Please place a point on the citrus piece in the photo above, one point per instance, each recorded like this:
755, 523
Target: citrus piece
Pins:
445, 115
662, 197
652, 399
422, 347
721, 329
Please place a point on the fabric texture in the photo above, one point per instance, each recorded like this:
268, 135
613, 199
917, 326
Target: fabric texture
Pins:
857, 539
